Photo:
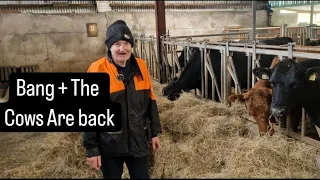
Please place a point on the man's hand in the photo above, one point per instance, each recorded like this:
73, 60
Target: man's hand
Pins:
155, 143
95, 162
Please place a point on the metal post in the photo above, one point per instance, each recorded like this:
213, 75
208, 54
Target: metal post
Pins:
205, 70
202, 70
283, 31
254, 9
311, 15
223, 82
160, 31
290, 50
249, 70
254, 61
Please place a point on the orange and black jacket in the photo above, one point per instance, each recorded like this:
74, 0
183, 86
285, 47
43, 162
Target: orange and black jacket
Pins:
140, 118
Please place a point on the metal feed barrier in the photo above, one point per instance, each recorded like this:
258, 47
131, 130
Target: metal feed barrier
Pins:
146, 50
5, 71
298, 33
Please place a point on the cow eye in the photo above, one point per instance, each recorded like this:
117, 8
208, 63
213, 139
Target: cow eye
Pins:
294, 85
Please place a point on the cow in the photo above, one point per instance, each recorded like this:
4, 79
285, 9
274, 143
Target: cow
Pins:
190, 77
294, 83
309, 42
276, 41
258, 101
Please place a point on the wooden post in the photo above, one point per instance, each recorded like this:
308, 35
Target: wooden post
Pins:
160, 31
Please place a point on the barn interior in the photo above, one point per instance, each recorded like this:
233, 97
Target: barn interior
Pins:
202, 138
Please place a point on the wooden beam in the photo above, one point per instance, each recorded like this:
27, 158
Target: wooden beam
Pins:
160, 31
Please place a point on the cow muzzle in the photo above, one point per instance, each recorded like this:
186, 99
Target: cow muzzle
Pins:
176, 96
278, 111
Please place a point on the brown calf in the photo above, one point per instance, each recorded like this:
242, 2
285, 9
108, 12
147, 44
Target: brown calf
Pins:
258, 100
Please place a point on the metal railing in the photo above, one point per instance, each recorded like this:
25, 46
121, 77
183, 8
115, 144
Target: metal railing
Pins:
228, 74
5, 71
298, 33
145, 48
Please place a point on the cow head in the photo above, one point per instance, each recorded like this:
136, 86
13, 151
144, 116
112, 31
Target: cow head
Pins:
171, 91
258, 102
187, 79
288, 81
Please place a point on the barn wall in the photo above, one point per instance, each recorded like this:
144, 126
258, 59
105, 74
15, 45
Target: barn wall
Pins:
60, 42
192, 22
55, 42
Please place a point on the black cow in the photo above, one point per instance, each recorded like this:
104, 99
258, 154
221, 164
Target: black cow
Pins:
190, 77
294, 83
276, 41
309, 42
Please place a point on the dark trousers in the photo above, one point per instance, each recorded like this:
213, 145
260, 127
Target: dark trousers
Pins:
112, 168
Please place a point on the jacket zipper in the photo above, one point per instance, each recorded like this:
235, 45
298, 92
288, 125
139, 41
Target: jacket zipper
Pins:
126, 82
127, 108
127, 118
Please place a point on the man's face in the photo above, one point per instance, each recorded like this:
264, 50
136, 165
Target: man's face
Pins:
121, 51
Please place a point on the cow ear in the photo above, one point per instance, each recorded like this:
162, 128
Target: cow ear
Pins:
236, 97
262, 73
313, 74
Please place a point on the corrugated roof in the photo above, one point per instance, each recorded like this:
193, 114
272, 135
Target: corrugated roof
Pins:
124, 5
52, 6
275, 4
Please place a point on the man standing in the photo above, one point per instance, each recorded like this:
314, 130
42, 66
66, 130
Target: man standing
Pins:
130, 85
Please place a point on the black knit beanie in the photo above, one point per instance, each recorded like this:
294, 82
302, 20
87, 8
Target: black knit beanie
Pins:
118, 31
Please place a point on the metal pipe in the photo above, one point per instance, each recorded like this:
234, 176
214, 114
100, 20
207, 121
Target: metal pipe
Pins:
258, 51
205, 71
224, 73
202, 67
254, 9
213, 79
207, 35
257, 28
234, 76
315, 49
290, 51
249, 70
311, 14
283, 29
173, 66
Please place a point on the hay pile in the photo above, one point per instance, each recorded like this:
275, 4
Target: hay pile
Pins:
57, 155
200, 140
208, 140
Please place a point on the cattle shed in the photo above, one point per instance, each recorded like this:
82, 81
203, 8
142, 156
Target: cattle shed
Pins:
69, 35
